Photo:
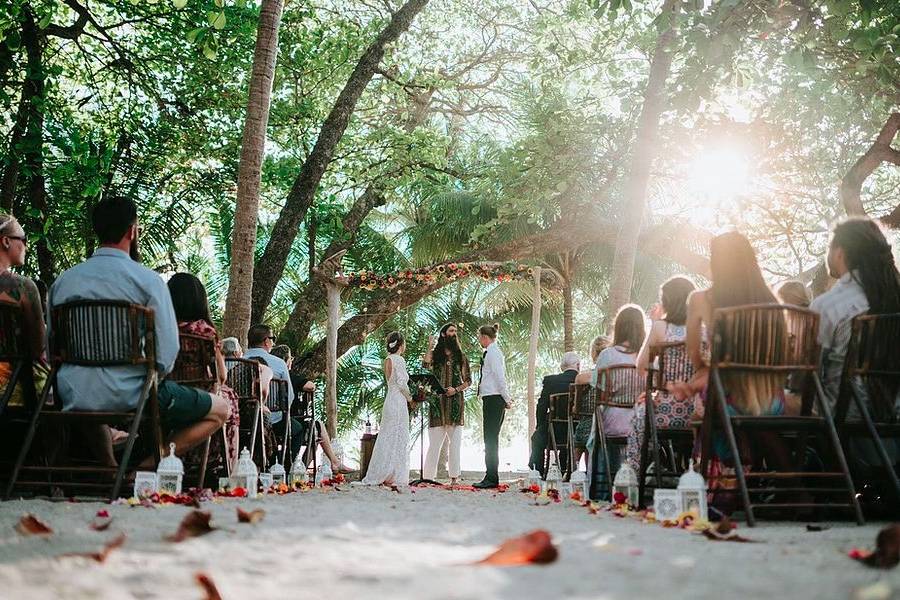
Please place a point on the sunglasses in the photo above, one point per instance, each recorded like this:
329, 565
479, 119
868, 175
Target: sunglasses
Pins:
270, 337
21, 238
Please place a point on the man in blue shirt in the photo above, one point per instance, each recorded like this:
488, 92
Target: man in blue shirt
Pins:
261, 340
112, 273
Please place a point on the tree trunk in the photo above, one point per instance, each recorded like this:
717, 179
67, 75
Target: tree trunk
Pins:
639, 170
568, 317
236, 320
879, 152
271, 265
33, 145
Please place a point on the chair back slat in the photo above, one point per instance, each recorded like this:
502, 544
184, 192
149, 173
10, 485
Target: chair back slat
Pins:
278, 395
765, 337
196, 362
873, 361
671, 364
102, 333
619, 386
583, 399
243, 378
559, 406
13, 345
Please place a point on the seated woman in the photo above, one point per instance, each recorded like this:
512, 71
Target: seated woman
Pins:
300, 430
628, 336
583, 427
736, 280
192, 313
669, 319
21, 291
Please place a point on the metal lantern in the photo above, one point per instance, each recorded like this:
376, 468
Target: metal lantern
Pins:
534, 478
245, 474
169, 473
626, 483
299, 474
666, 504
146, 483
692, 491
278, 473
554, 479
579, 483
323, 473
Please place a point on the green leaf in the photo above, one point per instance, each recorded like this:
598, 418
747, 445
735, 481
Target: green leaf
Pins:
45, 20
216, 19
208, 51
220, 3
194, 35
179, 3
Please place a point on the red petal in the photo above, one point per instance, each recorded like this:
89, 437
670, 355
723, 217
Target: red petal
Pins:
31, 525
532, 548
204, 580
195, 524
254, 516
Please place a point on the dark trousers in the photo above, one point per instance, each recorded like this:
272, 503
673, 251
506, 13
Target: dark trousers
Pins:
494, 409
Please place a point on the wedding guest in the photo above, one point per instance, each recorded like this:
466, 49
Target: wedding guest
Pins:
628, 336
583, 427
189, 415
735, 280
495, 399
300, 430
231, 349
794, 293
553, 384
261, 340
669, 325
860, 258
446, 413
23, 292
191, 306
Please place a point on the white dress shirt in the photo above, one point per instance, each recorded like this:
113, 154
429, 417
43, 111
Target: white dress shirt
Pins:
493, 374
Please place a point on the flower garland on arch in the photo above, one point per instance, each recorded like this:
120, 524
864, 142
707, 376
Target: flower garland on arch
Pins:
488, 271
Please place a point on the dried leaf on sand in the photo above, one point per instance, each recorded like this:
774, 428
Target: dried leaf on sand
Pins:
887, 549
100, 556
206, 582
195, 524
532, 548
725, 531
101, 523
252, 516
31, 525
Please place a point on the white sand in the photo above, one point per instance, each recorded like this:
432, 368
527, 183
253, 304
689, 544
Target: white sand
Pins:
334, 545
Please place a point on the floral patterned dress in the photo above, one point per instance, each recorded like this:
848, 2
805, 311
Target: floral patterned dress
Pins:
670, 411
446, 411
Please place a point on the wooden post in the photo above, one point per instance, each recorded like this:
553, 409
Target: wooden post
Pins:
334, 320
532, 351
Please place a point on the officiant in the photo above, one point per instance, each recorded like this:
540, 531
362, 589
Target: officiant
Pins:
446, 412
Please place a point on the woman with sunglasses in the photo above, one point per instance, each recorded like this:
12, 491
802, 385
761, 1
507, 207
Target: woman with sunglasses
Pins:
21, 291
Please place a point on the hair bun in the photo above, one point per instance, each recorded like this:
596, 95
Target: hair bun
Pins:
496, 326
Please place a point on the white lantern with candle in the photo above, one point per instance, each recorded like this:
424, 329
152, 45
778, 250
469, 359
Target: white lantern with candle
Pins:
692, 492
170, 473
245, 474
626, 483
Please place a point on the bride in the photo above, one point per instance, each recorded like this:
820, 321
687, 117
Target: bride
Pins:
390, 459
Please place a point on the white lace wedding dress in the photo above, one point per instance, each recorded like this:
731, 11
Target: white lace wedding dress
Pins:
390, 458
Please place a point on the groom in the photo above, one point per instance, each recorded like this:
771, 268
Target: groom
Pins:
495, 398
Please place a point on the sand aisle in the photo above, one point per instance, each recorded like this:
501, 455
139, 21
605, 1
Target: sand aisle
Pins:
377, 544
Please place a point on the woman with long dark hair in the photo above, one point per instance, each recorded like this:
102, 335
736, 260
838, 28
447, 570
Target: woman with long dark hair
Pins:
191, 306
670, 325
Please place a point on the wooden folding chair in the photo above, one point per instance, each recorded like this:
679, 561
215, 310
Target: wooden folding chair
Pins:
195, 367
304, 410
96, 333
558, 414
243, 378
582, 404
15, 350
618, 387
278, 402
668, 363
778, 340
871, 381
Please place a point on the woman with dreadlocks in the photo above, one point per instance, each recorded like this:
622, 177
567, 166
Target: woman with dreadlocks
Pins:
446, 414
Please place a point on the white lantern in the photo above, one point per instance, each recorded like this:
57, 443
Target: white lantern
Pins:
146, 484
338, 450
278, 473
565, 489
626, 483
169, 473
666, 504
534, 478
554, 478
692, 491
299, 474
579, 482
323, 473
265, 481
245, 474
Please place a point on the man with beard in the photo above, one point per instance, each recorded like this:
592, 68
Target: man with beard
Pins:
446, 412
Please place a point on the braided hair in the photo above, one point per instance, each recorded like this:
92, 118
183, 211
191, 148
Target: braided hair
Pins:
870, 261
